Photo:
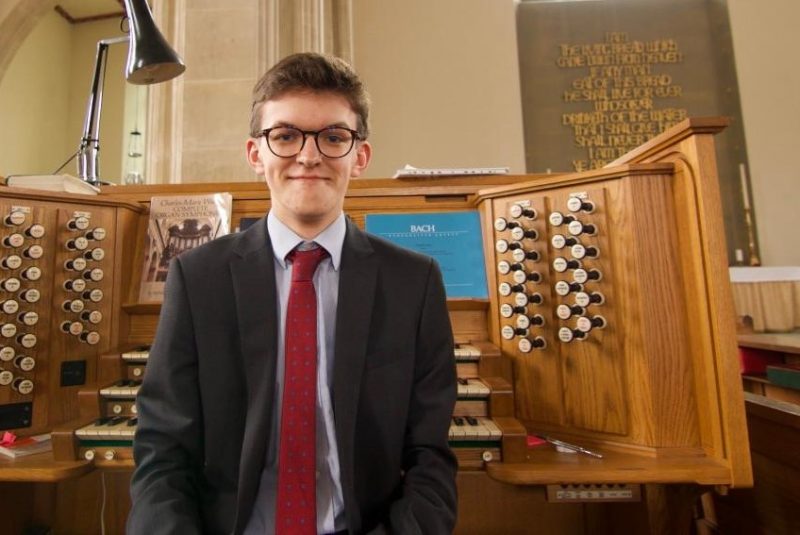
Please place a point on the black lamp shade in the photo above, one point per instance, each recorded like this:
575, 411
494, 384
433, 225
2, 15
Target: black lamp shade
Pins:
150, 58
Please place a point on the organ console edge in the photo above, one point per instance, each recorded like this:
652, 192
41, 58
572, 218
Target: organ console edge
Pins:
545, 182
673, 136
684, 152
62, 197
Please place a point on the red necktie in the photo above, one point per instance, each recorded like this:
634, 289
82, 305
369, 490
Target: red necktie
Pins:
296, 504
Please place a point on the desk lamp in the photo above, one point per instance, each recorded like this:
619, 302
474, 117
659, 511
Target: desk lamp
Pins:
150, 61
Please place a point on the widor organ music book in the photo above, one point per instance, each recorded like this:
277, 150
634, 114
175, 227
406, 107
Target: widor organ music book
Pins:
176, 224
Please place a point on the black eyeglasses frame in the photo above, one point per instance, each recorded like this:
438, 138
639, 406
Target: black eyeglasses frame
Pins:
315, 133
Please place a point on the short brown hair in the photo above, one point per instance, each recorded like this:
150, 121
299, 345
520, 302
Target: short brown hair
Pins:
308, 71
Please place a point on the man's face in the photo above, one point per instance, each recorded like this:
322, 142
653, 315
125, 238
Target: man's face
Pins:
307, 191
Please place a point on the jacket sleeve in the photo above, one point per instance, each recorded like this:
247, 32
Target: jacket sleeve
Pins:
168, 447
428, 502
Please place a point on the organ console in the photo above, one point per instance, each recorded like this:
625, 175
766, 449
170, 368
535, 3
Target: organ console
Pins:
609, 325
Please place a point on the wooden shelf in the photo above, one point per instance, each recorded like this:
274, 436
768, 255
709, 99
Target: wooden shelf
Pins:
781, 412
545, 466
784, 345
467, 304
41, 468
784, 342
761, 386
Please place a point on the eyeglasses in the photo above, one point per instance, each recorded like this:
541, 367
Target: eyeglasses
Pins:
287, 141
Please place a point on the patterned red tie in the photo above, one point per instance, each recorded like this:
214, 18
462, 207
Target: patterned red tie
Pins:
296, 504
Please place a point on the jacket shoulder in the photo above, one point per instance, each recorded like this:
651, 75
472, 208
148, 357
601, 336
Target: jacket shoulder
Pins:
221, 249
213, 251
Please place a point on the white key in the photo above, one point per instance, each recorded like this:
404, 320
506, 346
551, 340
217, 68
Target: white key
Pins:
137, 356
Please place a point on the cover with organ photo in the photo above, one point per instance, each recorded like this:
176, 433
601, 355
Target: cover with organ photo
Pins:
179, 223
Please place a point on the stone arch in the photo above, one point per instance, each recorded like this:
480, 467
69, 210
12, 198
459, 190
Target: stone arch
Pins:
17, 19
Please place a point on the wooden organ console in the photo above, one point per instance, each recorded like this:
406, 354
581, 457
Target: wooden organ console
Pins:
609, 325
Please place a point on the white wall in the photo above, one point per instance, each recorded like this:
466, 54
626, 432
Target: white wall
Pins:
444, 80
436, 69
84, 47
765, 46
34, 101
43, 97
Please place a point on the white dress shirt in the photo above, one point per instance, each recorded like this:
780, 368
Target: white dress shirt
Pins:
330, 504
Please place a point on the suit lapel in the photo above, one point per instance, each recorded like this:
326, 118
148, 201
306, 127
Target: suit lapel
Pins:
253, 274
357, 281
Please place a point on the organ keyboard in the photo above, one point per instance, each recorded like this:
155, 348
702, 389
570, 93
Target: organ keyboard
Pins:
109, 428
107, 441
467, 353
125, 388
472, 388
483, 429
136, 355
474, 436
471, 428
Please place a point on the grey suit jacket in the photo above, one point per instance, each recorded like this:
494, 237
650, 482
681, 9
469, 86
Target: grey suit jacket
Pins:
204, 406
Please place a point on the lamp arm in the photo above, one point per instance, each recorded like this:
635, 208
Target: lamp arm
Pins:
150, 60
89, 148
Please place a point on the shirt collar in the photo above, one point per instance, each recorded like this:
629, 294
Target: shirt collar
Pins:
285, 239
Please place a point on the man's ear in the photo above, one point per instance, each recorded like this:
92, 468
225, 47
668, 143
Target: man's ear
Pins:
363, 157
254, 155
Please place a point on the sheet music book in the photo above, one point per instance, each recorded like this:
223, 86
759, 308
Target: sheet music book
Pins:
452, 238
59, 183
411, 171
24, 446
178, 223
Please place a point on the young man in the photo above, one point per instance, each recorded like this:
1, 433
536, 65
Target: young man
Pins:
243, 428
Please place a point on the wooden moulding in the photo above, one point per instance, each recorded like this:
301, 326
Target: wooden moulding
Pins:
131, 251
468, 317
359, 187
65, 443
467, 304
14, 192
514, 440
545, 466
781, 342
41, 468
501, 398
